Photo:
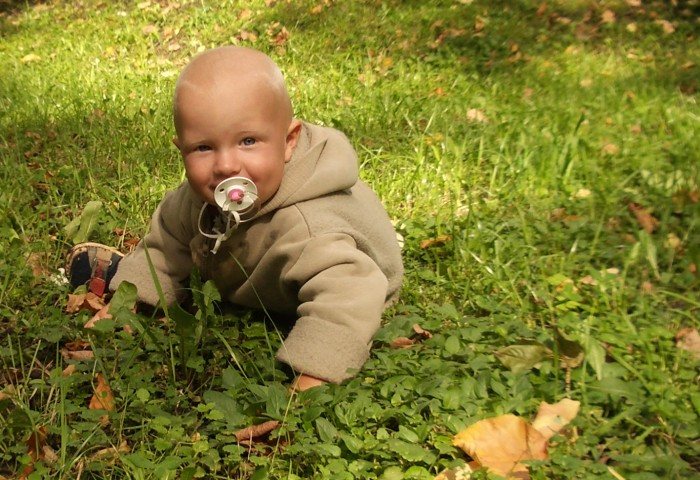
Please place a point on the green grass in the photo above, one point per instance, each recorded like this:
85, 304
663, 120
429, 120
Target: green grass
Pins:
569, 102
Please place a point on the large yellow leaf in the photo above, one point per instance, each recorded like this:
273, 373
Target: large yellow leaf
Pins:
501, 443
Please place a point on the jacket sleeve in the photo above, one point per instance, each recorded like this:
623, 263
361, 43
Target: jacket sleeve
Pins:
167, 245
341, 294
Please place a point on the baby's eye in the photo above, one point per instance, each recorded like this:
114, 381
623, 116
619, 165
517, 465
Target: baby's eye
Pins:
248, 141
202, 148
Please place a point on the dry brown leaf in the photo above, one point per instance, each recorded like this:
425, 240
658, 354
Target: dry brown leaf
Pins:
610, 149
631, 27
608, 16
69, 370
36, 263
541, 9
420, 331
434, 242
256, 431
35, 448
84, 301
694, 196
551, 418
174, 47
476, 115
588, 280
634, 3
667, 26
402, 342
688, 339
111, 452
647, 287
501, 443
245, 14
149, 29
103, 398
645, 219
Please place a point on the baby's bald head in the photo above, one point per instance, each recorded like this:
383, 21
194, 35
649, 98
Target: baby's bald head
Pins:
225, 70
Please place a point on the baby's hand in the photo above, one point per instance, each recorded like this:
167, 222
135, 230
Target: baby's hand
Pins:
102, 313
304, 382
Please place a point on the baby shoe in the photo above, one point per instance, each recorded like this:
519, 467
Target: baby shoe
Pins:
92, 264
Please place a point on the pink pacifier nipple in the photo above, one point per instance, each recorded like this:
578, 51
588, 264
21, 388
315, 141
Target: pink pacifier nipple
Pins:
236, 194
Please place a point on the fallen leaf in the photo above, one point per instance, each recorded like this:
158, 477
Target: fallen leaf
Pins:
32, 57
667, 26
582, 193
148, 29
608, 16
631, 27
256, 431
501, 443
245, 14
586, 83
673, 242
402, 342
476, 115
551, 418
688, 339
521, 358
111, 452
102, 398
634, 3
645, 219
541, 9
433, 242
647, 288
463, 472
420, 331
610, 149
174, 47
35, 449
69, 370
36, 262
527, 93
636, 129
588, 280
84, 301
694, 196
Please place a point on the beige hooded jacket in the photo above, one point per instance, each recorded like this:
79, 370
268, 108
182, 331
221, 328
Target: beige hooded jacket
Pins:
322, 248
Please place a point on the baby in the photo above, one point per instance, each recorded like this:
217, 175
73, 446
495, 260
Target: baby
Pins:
274, 213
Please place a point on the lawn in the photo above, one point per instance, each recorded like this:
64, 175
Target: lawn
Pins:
539, 159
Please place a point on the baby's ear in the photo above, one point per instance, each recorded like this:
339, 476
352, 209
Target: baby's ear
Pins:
292, 137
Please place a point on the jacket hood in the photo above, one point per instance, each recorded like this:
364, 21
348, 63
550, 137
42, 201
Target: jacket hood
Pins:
323, 162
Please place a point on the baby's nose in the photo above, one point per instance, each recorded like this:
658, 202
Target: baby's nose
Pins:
227, 164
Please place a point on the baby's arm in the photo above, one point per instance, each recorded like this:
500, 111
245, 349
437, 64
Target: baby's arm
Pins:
341, 293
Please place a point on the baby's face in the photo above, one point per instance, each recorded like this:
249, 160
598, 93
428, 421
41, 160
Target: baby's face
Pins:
224, 133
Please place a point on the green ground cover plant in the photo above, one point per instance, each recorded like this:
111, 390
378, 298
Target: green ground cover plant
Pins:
540, 160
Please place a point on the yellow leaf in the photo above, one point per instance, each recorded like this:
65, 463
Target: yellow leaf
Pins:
501, 443
32, 57
551, 418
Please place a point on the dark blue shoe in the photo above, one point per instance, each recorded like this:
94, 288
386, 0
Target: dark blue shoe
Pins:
93, 265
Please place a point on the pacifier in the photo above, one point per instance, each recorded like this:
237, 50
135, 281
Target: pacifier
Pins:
237, 198
237, 194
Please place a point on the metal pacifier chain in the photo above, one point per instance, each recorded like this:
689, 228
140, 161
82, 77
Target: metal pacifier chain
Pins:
237, 198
